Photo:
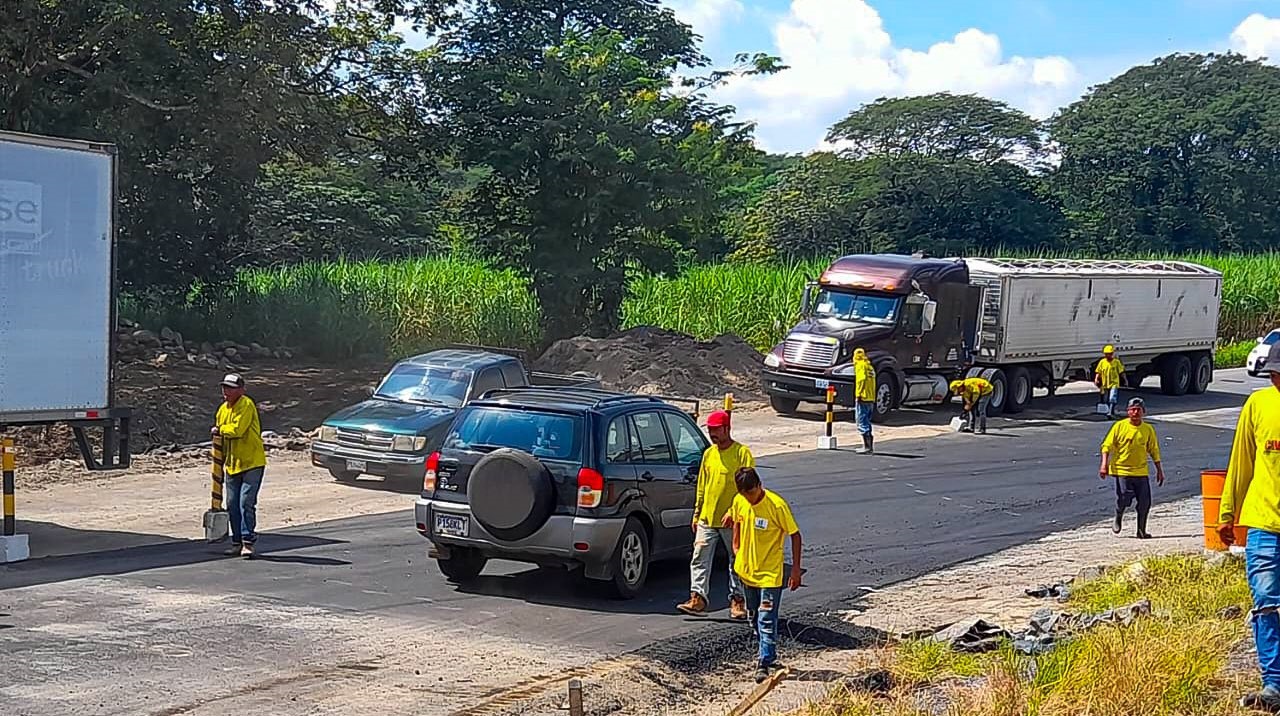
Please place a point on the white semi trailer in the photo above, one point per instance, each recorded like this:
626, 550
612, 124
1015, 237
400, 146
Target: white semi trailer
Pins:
1021, 323
57, 291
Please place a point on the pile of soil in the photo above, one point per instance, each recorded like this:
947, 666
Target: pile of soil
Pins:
660, 362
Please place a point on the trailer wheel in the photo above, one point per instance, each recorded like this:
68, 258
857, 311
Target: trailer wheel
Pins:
999, 390
1201, 374
887, 396
1020, 390
1175, 375
783, 406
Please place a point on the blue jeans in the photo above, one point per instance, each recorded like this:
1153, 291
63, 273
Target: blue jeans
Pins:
1111, 396
863, 412
762, 609
1262, 565
242, 504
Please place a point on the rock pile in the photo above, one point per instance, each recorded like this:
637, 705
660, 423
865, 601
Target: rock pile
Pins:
168, 348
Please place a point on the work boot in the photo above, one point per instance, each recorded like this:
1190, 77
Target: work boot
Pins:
695, 607
233, 550
1144, 535
762, 673
870, 442
1267, 700
1119, 522
737, 608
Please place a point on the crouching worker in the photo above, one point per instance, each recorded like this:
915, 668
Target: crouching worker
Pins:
975, 393
761, 522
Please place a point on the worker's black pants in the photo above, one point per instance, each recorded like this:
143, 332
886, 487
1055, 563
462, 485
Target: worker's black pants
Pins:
1129, 489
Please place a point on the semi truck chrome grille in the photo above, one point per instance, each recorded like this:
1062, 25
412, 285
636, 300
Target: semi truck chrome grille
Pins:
809, 353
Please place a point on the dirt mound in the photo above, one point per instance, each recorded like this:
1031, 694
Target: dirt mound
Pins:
655, 361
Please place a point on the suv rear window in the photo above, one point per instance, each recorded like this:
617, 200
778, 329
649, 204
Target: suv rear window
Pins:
550, 436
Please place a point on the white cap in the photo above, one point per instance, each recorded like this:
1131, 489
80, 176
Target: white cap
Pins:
233, 380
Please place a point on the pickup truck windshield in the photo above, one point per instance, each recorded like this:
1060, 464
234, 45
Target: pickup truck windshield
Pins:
543, 435
424, 384
856, 306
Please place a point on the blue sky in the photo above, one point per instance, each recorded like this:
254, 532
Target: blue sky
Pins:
1035, 54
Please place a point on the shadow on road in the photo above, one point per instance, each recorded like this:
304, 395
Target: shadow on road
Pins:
400, 486
130, 559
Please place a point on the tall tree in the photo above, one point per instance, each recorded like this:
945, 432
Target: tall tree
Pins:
598, 160
940, 126
1177, 155
198, 95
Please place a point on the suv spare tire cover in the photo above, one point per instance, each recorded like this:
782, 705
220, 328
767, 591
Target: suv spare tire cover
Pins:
511, 494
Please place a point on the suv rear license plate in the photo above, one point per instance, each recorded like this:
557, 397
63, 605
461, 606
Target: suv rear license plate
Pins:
357, 465
821, 383
452, 525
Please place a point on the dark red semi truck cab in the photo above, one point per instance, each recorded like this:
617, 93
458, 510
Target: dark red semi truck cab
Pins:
917, 318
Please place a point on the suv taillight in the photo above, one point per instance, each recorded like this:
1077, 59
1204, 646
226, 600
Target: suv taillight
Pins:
429, 480
590, 488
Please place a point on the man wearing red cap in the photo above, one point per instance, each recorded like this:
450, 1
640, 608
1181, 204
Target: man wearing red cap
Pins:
716, 492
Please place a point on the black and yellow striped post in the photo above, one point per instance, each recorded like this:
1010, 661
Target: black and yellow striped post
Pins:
217, 523
728, 405
828, 440
8, 461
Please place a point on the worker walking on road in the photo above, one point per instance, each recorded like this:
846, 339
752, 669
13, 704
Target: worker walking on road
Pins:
1251, 498
864, 382
761, 523
1107, 377
245, 460
1124, 456
976, 395
715, 494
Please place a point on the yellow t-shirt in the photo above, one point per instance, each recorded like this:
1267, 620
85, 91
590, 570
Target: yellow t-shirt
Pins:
241, 436
1108, 372
864, 377
1129, 446
762, 532
975, 388
716, 488
1251, 496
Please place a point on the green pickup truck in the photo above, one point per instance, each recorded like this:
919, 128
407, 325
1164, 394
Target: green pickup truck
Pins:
392, 433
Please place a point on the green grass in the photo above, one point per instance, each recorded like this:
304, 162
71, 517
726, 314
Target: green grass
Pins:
1233, 355
1172, 663
345, 309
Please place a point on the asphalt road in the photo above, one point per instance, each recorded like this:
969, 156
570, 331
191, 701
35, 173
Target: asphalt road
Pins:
915, 507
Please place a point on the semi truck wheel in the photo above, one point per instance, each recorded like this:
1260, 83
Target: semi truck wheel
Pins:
783, 406
888, 394
1175, 375
1020, 390
999, 390
1201, 373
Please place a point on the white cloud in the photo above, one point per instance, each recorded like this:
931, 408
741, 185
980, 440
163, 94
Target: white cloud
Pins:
840, 56
1257, 36
706, 16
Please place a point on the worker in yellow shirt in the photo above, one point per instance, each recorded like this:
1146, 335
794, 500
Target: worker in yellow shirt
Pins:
715, 493
761, 523
1124, 456
1251, 498
864, 389
975, 393
1107, 377
244, 459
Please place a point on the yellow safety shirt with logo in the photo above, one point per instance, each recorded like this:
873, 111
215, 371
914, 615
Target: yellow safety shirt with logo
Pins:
762, 531
1129, 446
241, 432
1251, 496
1109, 373
716, 488
864, 376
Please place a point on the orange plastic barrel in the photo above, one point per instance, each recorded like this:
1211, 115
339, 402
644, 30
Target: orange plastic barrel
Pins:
1211, 484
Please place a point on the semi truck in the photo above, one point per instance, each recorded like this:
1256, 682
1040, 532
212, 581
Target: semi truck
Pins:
57, 292
1023, 324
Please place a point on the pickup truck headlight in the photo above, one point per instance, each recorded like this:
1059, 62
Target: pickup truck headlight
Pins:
772, 361
846, 369
328, 434
408, 443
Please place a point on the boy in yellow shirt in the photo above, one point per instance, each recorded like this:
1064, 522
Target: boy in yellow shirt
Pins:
1124, 454
761, 521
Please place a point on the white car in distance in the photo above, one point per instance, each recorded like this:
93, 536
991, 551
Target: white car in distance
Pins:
1257, 359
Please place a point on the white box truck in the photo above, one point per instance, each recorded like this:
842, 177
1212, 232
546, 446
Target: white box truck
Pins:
57, 291
1021, 323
